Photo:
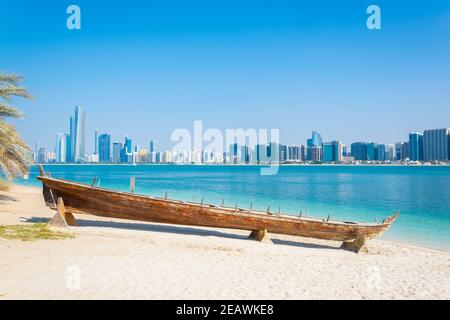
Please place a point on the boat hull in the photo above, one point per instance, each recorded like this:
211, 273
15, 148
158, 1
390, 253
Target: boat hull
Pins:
81, 198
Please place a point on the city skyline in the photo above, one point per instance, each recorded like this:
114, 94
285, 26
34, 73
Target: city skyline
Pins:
431, 145
152, 67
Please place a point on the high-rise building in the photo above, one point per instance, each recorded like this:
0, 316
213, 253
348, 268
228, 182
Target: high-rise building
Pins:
42, 157
283, 153
436, 145
117, 152
372, 151
359, 151
405, 150
332, 151
273, 152
382, 152
62, 141
245, 154
391, 152
96, 142
104, 148
261, 153
314, 147
77, 135
401, 151
127, 151
416, 146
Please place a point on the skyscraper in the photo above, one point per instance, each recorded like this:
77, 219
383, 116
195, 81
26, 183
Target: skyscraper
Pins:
127, 152
415, 146
77, 135
62, 140
381, 152
117, 152
372, 151
104, 147
332, 151
314, 147
436, 145
399, 151
359, 151
96, 142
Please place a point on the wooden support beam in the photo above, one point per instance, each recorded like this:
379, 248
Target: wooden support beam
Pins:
62, 219
358, 245
260, 235
41, 170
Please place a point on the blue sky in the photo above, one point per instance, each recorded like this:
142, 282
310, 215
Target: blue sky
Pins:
145, 68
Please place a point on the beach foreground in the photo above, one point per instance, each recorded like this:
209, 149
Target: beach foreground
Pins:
112, 259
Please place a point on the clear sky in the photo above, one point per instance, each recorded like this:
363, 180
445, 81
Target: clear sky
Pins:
145, 68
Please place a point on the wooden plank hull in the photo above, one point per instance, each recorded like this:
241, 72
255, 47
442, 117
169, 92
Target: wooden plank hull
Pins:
81, 198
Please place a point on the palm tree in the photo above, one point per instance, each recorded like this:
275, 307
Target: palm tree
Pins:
14, 158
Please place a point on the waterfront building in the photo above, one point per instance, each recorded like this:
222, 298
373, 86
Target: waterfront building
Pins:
273, 152
234, 153
62, 141
303, 152
245, 154
77, 135
42, 158
436, 145
390, 152
117, 152
126, 154
372, 151
382, 152
344, 150
314, 147
359, 151
96, 142
332, 151
166, 157
416, 146
401, 151
142, 156
92, 158
282, 153
261, 153
104, 148
405, 150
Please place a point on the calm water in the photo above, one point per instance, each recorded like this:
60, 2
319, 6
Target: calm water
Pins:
344, 192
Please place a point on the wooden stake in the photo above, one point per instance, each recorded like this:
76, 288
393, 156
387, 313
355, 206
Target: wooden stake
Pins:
41, 170
358, 245
93, 182
62, 219
260, 235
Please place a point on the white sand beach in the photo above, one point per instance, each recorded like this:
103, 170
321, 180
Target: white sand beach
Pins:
113, 259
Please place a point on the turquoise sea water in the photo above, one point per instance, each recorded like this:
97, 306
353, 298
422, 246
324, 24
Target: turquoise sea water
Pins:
359, 193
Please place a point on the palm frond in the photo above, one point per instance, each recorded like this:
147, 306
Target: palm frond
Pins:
10, 78
14, 152
9, 111
10, 91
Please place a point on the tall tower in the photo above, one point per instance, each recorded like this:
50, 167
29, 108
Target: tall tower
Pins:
77, 135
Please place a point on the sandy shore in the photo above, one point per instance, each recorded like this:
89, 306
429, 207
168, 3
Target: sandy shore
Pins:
112, 259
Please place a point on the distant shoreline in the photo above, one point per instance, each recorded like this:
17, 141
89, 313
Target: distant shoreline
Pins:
246, 165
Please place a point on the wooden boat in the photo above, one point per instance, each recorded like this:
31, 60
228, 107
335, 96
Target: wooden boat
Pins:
71, 197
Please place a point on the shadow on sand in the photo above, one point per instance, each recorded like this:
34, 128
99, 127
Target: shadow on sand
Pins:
5, 198
178, 230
